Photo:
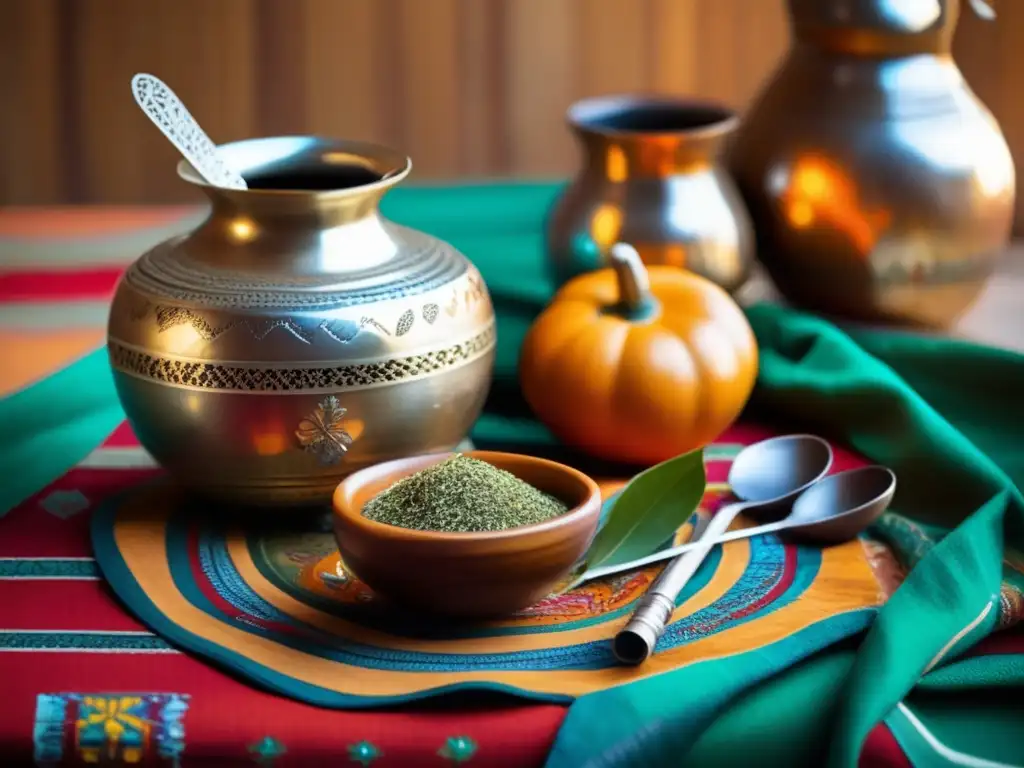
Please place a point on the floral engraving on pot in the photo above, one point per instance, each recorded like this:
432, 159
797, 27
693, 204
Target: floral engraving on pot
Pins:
405, 323
341, 331
452, 306
476, 288
322, 433
224, 377
364, 321
430, 312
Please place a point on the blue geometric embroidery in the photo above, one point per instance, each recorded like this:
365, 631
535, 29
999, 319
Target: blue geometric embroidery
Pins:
170, 739
267, 750
65, 504
48, 568
217, 566
117, 727
364, 753
767, 555
457, 749
48, 730
125, 642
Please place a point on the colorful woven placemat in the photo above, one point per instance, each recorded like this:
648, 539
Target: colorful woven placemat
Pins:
278, 607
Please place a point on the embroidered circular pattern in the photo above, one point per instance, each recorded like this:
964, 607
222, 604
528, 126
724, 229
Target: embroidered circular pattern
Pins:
279, 607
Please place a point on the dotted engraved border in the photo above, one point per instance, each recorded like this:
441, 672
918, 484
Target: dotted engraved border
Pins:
220, 377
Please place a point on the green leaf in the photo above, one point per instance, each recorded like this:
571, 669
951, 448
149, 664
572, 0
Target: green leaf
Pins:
651, 507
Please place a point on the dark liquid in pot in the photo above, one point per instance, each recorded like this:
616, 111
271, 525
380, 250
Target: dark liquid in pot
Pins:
658, 118
319, 179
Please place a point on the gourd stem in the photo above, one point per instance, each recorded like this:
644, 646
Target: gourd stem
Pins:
634, 286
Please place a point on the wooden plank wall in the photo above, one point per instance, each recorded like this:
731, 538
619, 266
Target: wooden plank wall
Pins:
469, 88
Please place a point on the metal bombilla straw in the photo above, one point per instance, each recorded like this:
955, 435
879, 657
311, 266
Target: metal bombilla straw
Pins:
635, 642
785, 477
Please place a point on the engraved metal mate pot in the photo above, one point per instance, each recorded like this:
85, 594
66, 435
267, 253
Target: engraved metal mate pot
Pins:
296, 335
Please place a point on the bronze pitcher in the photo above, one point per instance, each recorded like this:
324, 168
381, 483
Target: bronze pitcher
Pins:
880, 187
651, 177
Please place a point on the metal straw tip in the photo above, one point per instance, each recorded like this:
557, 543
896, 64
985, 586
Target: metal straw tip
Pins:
634, 644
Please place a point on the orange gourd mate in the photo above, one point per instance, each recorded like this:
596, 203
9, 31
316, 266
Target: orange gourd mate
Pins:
638, 364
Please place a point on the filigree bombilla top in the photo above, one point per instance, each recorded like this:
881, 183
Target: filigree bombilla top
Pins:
165, 109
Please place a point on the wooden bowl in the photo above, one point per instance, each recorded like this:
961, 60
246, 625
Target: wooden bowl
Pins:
466, 575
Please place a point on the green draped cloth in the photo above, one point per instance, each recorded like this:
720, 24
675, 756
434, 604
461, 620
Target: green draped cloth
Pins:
947, 416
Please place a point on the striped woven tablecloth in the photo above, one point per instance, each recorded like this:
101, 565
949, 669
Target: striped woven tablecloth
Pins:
83, 682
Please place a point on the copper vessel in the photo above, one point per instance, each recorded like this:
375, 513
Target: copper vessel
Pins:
880, 187
651, 178
296, 335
